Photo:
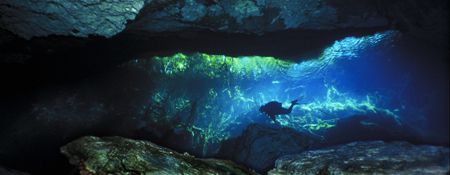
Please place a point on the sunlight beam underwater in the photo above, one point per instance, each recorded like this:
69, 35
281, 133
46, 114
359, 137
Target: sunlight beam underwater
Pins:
228, 91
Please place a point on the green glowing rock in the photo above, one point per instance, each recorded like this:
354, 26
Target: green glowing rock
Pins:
215, 66
172, 65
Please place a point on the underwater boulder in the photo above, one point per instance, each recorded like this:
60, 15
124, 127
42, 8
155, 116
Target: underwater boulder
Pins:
260, 145
372, 157
117, 155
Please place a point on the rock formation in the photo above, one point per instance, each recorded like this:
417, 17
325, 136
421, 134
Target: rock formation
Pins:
116, 155
30, 18
259, 146
374, 157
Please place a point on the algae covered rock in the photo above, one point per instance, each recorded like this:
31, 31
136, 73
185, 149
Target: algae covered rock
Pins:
374, 157
117, 155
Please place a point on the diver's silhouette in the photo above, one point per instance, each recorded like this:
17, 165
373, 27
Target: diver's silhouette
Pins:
274, 108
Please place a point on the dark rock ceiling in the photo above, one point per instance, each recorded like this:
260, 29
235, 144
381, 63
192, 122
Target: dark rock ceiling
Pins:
53, 41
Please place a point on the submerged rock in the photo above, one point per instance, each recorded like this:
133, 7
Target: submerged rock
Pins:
374, 157
117, 155
259, 146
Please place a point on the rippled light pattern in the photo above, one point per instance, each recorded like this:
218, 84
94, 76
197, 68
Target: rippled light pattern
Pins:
215, 97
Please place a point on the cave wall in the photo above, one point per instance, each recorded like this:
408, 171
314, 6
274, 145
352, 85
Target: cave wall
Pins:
107, 18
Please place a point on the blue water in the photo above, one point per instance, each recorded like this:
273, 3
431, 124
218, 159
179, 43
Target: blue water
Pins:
367, 76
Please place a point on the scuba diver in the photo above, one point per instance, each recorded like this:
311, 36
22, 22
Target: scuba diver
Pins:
274, 108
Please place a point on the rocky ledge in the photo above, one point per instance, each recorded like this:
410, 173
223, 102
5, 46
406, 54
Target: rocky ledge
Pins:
116, 155
259, 146
374, 157
31, 18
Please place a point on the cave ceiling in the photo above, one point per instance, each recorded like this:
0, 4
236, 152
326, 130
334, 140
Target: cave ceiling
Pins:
103, 33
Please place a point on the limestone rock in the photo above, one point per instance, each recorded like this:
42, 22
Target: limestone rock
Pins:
259, 146
256, 17
116, 155
373, 157
30, 18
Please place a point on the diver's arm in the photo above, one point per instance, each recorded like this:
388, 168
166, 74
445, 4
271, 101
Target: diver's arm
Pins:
286, 111
291, 107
